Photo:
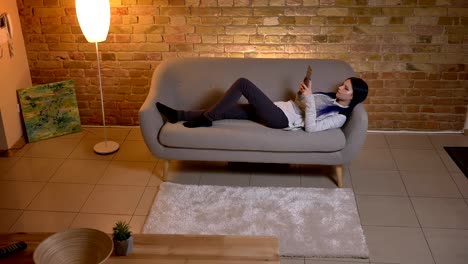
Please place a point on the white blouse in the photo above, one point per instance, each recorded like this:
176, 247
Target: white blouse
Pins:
302, 113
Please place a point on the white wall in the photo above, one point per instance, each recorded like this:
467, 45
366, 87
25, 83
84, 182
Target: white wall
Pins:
14, 74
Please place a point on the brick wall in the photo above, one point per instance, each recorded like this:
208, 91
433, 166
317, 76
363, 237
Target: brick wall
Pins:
413, 53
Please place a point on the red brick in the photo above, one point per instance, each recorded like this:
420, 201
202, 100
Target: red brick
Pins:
30, 3
427, 30
174, 38
48, 12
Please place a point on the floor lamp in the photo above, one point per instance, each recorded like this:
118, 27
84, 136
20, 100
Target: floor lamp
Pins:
94, 20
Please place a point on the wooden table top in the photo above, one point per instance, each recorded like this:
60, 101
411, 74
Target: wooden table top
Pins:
172, 249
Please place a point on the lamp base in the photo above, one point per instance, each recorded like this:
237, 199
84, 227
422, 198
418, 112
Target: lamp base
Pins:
106, 147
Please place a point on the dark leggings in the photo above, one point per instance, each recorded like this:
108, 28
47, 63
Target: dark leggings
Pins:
259, 109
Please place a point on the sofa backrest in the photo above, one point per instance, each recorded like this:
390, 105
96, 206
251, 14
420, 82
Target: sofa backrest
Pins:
196, 83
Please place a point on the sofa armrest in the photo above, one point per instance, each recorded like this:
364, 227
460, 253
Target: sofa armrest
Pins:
355, 131
151, 120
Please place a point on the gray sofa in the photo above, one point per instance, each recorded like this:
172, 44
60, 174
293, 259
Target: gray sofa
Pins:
196, 83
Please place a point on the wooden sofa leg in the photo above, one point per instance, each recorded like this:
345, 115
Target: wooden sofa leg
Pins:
165, 170
339, 175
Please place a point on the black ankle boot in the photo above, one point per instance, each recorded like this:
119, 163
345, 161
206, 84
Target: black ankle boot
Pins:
169, 113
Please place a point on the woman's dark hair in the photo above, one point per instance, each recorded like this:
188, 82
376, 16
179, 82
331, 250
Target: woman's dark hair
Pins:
360, 90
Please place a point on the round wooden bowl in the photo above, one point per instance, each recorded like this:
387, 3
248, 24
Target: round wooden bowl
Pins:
73, 246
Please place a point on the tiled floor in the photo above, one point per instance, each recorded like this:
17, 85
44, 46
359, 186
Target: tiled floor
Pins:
412, 198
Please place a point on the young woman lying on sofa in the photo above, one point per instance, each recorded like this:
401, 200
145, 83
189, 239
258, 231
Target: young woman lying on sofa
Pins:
311, 111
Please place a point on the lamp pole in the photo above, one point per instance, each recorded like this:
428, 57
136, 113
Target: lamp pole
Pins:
105, 147
100, 91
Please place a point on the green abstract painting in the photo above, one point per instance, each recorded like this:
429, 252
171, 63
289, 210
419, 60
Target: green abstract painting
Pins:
50, 110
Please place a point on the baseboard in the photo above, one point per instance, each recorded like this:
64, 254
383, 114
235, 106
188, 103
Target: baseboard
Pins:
17, 146
416, 132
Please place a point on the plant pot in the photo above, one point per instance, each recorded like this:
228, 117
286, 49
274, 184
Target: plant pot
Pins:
124, 247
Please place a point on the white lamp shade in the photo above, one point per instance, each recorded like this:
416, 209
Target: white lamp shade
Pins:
94, 19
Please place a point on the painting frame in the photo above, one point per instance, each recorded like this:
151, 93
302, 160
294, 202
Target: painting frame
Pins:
49, 110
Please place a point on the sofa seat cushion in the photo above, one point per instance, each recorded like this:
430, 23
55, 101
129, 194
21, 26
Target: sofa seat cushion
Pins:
251, 136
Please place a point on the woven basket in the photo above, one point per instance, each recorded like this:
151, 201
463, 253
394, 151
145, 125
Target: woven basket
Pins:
74, 246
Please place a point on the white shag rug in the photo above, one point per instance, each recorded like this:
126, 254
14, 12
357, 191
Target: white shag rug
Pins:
309, 222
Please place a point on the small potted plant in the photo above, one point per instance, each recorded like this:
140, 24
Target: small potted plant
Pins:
123, 239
